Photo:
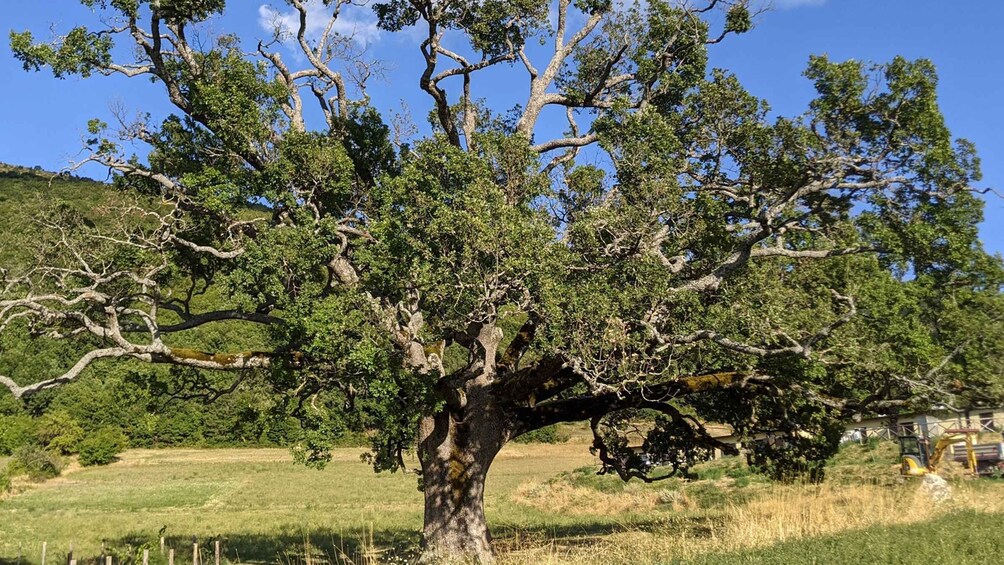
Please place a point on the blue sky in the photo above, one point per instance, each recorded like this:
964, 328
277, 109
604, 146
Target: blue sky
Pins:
42, 120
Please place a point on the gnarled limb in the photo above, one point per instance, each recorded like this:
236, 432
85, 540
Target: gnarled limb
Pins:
586, 407
163, 355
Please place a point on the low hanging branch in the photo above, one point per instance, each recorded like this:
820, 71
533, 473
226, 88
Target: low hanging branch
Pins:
241, 361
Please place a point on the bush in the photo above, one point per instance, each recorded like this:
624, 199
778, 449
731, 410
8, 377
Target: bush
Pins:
4, 482
35, 462
548, 434
59, 432
102, 447
15, 432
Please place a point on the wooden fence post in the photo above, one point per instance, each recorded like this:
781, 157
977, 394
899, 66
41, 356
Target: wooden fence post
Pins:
69, 556
45, 545
170, 557
73, 562
195, 553
146, 557
108, 560
217, 553
162, 545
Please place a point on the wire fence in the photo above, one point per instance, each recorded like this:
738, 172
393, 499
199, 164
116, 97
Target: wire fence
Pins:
363, 550
208, 554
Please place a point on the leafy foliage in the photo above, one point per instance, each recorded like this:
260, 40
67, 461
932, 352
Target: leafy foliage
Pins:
468, 287
154, 407
15, 432
59, 432
102, 447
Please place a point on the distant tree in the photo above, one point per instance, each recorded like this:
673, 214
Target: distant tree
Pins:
462, 289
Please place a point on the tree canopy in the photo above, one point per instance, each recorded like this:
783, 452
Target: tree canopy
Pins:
455, 290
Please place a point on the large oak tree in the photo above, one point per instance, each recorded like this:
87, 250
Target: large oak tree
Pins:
707, 262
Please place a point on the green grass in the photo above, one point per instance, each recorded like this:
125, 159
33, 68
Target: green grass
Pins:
960, 538
874, 462
268, 510
257, 499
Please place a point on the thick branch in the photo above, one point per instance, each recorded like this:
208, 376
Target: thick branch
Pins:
218, 316
20, 392
579, 408
151, 354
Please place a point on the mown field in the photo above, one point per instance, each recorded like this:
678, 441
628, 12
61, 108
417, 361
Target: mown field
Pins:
545, 503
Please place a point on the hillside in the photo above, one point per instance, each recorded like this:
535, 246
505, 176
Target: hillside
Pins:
25, 192
26, 195
134, 397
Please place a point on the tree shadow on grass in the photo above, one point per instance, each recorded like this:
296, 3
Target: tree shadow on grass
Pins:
511, 537
363, 546
303, 547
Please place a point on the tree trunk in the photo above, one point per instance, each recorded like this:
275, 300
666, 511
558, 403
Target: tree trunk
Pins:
456, 447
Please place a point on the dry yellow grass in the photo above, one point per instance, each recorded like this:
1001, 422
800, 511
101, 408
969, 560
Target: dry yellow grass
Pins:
782, 513
565, 498
544, 507
799, 512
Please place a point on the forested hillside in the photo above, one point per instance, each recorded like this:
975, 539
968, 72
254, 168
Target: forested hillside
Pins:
151, 409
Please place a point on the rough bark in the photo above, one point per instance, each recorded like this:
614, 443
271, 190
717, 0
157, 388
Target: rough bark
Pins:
456, 448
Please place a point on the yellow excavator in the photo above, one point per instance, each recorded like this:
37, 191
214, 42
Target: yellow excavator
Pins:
918, 460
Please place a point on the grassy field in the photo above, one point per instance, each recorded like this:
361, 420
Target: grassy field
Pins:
258, 499
545, 504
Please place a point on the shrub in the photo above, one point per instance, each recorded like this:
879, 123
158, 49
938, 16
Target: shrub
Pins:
547, 434
59, 432
102, 447
15, 432
4, 482
35, 462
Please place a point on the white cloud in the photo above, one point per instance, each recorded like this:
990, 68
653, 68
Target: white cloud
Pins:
788, 4
356, 22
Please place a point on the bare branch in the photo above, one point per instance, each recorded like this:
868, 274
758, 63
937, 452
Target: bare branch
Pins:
803, 348
562, 143
20, 392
